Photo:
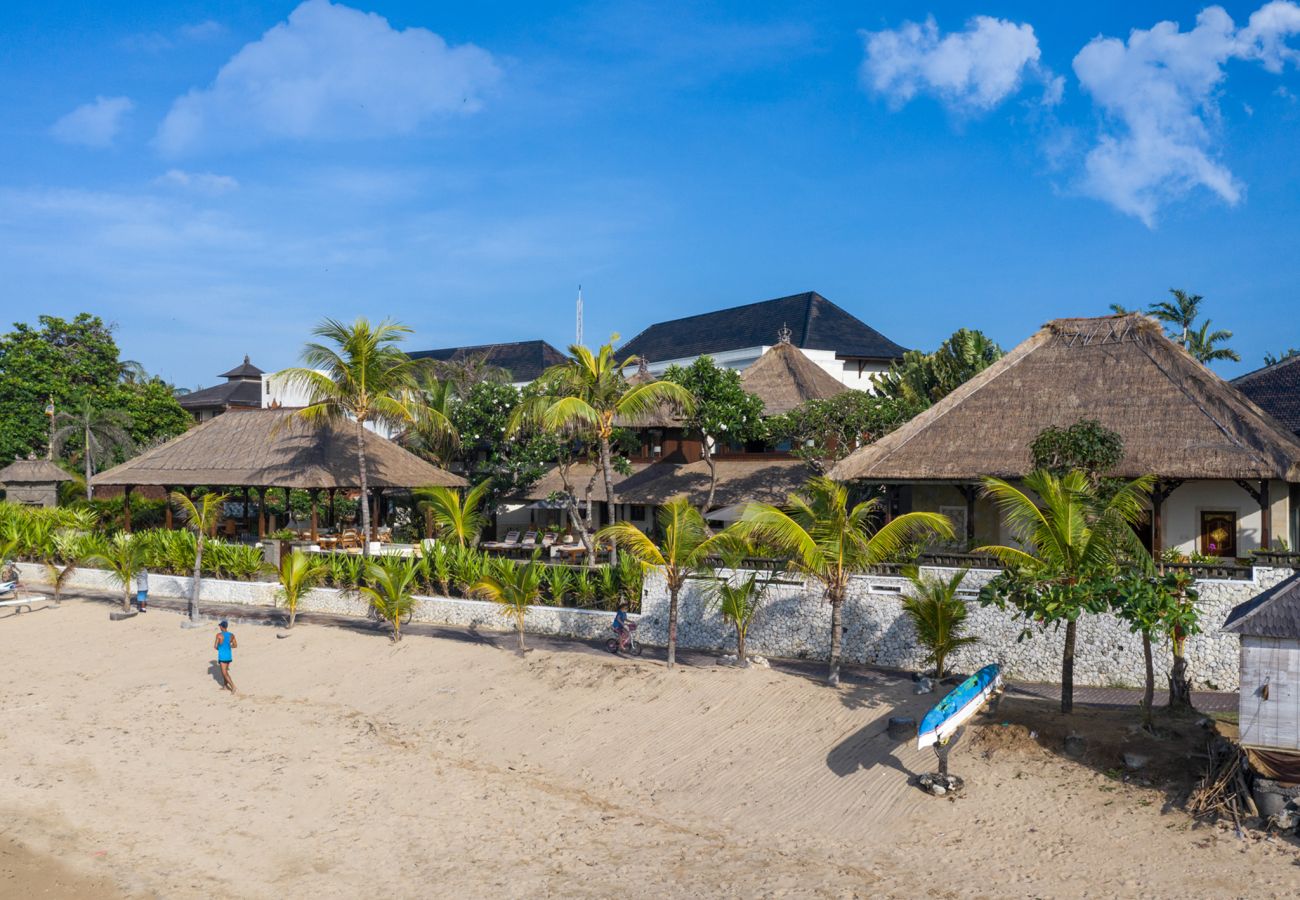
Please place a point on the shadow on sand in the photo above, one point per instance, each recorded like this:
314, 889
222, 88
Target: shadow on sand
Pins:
214, 669
866, 748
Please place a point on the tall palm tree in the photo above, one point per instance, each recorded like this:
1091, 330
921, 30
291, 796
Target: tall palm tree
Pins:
456, 519
1180, 313
588, 394
684, 546
201, 518
1201, 344
435, 436
829, 541
1074, 533
358, 374
103, 433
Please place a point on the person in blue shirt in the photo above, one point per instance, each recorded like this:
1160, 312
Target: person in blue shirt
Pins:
224, 644
620, 624
142, 590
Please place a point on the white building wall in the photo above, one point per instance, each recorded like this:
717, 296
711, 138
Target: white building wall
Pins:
1182, 514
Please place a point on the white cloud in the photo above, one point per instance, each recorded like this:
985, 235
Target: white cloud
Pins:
94, 124
1158, 92
970, 71
158, 41
202, 31
205, 182
330, 72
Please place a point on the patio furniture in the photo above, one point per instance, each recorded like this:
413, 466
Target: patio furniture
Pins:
529, 543
568, 552
510, 543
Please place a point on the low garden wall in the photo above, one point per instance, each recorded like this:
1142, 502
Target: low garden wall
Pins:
551, 620
795, 622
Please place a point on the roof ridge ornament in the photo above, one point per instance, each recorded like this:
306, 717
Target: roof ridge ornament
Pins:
642, 366
784, 334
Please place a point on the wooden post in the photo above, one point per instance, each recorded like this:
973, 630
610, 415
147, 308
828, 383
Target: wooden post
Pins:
375, 496
332, 520
288, 509
890, 497
245, 516
315, 495
969, 492
167, 510
126, 507
261, 513
1265, 516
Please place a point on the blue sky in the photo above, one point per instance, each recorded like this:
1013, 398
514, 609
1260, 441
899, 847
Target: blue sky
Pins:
216, 177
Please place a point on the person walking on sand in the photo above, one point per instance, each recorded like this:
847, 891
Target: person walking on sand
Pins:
142, 590
224, 644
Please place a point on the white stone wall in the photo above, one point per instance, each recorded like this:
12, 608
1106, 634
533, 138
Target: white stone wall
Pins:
795, 622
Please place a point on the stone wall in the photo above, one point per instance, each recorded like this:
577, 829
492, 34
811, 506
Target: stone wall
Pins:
795, 622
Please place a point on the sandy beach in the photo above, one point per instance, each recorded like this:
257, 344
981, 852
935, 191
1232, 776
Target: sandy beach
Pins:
349, 767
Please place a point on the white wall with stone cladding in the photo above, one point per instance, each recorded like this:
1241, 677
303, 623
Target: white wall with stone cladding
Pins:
795, 622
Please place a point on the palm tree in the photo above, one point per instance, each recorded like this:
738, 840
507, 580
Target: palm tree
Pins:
1180, 313
456, 519
738, 603
588, 394
61, 561
103, 433
939, 616
299, 573
391, 591
516, 587
829, 541
435, 435
1078, 534
360, 375
123, 556
1200, 343
200, 518
684, 546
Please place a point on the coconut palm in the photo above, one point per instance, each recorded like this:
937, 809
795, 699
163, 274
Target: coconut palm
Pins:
200, 518
588, 394
737, 600
1201, 344
455, 519
123, 556
434, 435
683, 549
1180, 313
358, 374
1073, 534
299, 573
103, 433
829, 541
61, 563
516, 587
390, 589
938, 616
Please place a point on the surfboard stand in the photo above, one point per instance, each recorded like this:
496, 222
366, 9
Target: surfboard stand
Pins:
941, 784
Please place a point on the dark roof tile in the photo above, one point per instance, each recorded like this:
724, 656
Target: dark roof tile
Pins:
1276, 390
1274, 613
524, 360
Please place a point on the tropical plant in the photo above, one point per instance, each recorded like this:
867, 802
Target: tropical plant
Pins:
346, 572
1203, 344
1180, 314
435, 436
516, 586
1072, 543
922, 379
360, 375
683, 549
588, 394
584, 588
299, 573
390, 589
103, 434
1160, 606
243, 562
737, 597
1271, 359
631, 579
559, 583
123, 556
455, 519
61, 564
200, 518
938, 616
467, 567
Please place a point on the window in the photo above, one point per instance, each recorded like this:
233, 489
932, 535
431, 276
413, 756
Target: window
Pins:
1219, 534
636, 512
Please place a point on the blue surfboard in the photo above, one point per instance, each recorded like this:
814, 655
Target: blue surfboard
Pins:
959, 707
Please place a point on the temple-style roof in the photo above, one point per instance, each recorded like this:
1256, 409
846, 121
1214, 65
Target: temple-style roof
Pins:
1276, 390
274, 448
1274, 613
1176, 417
784, 378
32, 471
815, 323
524, 360
232, 393
766, 480
245, 370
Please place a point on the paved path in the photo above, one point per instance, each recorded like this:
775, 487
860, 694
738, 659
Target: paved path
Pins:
1207, 701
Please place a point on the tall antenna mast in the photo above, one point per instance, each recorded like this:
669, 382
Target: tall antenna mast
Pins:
579, 315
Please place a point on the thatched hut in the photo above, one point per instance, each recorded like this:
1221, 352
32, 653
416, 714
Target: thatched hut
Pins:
1269, 626
1228, 472
33, 482
784, 378
260, 449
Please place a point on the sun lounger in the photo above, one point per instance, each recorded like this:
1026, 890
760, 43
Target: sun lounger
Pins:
529, 543
510, 543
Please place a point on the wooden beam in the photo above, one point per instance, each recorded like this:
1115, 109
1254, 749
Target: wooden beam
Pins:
315, 512
261, 513
1265, 515
126, 507
167, 510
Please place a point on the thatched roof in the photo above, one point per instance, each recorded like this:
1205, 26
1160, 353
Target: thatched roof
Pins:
273, 448
1177, 418
579, 475
784, 378
739, 481
32, 471
1274, 613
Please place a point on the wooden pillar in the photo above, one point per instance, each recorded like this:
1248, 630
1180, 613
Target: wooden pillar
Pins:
245, 517
315, 523
891, 493
1265, 516
375, 498
334, 524
971, 493
288, 509
261, 513
167, 510
126, 507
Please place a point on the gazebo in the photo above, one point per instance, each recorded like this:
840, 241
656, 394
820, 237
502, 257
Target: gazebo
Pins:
32, 482
258, 450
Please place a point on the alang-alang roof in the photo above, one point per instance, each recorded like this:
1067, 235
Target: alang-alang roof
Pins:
783, 378
1176, 417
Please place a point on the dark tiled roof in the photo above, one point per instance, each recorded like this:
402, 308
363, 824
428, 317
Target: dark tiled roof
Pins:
1274, 613
1276, 389
232, 393
524, 360
815, 324
247, 370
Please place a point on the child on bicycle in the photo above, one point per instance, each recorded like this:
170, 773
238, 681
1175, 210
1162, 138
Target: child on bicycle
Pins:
620, 625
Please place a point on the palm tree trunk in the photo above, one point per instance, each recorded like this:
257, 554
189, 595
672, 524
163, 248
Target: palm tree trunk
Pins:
1067, 669
293, 613
607, 468
740, 645
1149, 695
522, 648
126, 597
713, 476
90, 468
833, 678
365, 492
673, 590
198, 576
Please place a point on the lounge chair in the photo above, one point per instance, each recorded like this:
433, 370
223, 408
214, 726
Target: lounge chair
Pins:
510, 543
529, 543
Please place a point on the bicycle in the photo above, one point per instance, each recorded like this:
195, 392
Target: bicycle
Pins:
628, 642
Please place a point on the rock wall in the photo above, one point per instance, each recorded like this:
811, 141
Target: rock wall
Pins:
795, 622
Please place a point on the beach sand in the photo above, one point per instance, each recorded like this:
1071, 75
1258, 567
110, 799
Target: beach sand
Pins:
353, 767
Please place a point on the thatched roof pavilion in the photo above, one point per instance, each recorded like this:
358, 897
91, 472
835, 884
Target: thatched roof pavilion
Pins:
34, 482
1178, 420
265, 448
784, 378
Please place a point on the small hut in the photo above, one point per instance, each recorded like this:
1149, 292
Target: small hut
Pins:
1269, 626
33, 482
784, 378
